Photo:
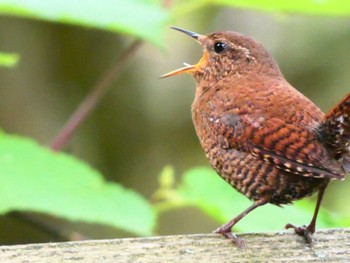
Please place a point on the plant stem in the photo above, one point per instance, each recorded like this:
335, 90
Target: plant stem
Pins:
92, 99
66, 133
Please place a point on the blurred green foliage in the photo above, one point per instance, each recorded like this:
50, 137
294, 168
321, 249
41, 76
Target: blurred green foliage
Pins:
140, 18
8, 60
312, 7
35, 179
147, 19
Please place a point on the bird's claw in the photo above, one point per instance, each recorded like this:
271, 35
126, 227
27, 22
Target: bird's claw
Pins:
240, 243
304, 231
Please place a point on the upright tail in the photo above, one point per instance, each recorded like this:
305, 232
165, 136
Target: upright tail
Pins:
334, 132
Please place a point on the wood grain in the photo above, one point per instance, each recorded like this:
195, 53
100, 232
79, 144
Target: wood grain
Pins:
332, 245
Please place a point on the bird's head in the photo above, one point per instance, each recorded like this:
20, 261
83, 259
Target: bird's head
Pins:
227, 54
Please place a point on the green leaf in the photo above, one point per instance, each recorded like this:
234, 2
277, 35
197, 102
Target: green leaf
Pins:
313, 7
35, 179
141, 18
203, 188
8, 60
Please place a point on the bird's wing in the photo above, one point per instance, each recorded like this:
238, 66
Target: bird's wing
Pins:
290, 147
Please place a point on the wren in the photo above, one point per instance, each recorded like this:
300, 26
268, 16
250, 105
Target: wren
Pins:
260, 134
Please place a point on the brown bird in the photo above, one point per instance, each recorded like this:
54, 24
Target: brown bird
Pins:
260, 134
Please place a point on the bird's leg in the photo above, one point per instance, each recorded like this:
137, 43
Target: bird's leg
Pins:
225, 229
307, 231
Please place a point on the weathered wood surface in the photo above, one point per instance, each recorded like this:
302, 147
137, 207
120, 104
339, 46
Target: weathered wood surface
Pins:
331, 245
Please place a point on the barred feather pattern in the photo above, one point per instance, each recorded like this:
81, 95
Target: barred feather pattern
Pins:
334, 132
259, 147
256, 177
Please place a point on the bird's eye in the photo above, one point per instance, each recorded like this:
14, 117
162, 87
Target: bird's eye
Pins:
219, 47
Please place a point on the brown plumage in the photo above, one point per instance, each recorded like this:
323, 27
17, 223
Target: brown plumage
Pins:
261, 135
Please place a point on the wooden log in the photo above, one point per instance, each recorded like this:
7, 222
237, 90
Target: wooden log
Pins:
331, 245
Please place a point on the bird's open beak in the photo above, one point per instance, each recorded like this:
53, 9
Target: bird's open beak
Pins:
187, 68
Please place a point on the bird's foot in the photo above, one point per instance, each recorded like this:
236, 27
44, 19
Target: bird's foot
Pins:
304, 231
228, 234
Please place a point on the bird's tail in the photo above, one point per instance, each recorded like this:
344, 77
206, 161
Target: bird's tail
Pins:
335, 131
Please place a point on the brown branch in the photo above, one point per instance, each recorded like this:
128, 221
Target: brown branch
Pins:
73, 123
92, 99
